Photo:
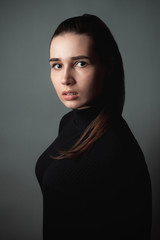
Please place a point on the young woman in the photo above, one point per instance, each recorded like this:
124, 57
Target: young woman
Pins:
93, 177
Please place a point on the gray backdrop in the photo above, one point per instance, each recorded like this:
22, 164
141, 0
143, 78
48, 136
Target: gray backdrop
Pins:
30, 110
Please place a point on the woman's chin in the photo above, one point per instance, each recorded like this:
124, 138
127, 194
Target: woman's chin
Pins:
73, 105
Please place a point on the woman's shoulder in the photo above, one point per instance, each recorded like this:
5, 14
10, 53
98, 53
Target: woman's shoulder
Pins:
119, 140
119, 151
120, 132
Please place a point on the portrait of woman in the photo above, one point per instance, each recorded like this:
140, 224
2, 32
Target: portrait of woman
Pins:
94, 179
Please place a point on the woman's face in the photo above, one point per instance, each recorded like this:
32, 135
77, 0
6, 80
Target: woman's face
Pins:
76, 72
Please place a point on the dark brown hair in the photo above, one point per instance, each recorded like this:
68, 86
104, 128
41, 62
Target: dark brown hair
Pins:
111, 99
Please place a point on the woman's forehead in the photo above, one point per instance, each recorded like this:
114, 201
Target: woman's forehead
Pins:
70, 45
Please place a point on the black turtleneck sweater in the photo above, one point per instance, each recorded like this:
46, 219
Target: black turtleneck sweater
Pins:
104, 193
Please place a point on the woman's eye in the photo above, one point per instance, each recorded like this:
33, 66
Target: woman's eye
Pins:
56, 66
81, 64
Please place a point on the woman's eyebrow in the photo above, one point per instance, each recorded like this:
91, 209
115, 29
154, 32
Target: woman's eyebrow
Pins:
54, 59
80, 57
73, 58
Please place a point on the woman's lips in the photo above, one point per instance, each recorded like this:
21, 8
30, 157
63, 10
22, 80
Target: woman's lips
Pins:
70, 95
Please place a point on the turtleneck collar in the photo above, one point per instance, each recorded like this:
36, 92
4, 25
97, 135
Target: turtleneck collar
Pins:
83, 117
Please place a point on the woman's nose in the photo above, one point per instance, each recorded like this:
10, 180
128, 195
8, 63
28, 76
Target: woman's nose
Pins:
68, 77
